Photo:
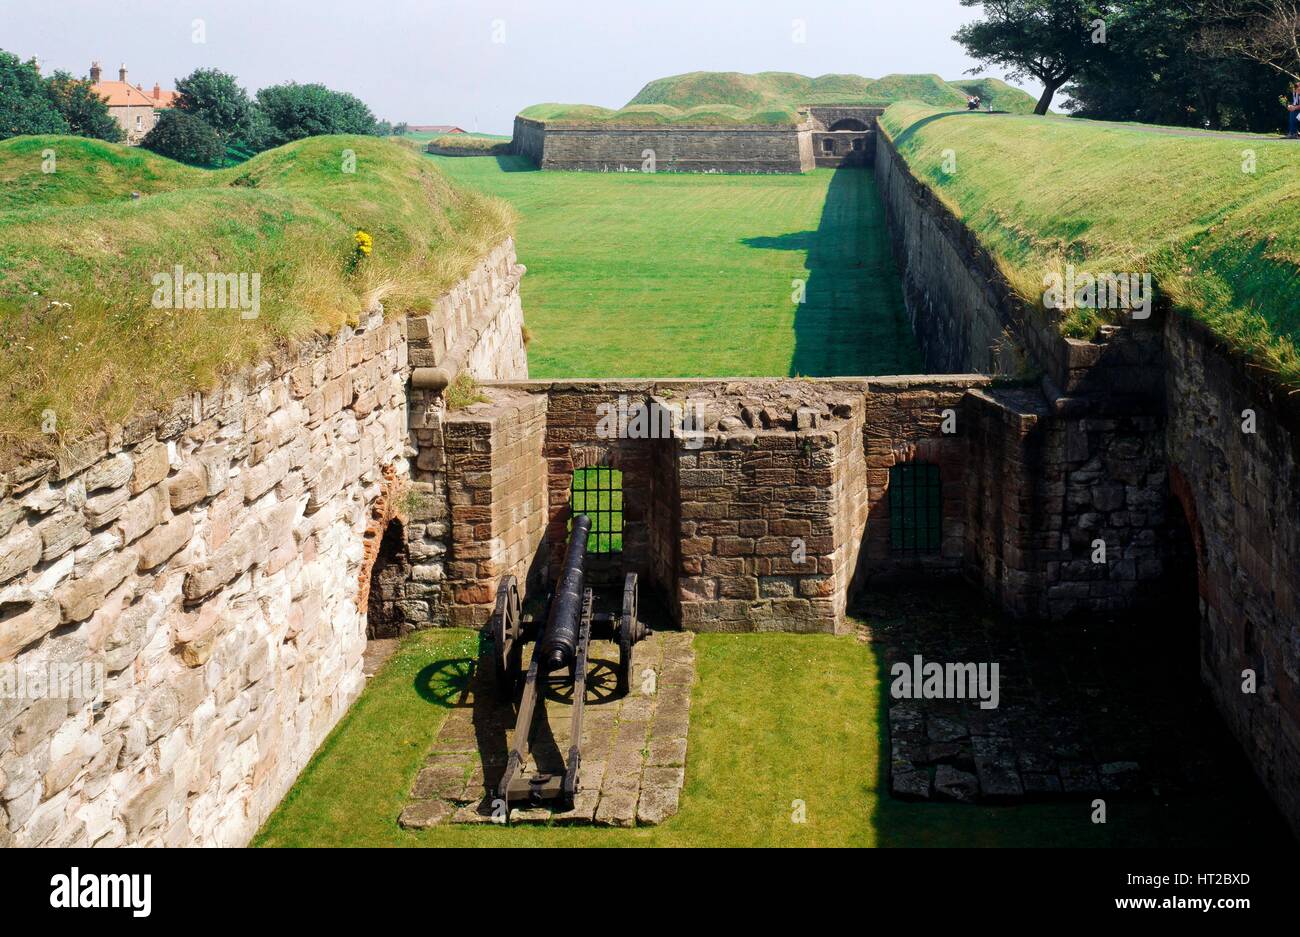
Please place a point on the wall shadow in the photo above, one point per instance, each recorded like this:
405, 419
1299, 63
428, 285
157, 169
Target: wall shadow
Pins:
1101, 711
513, 163
853, 320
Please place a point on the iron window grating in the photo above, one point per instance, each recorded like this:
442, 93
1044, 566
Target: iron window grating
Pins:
915, 508
598, 493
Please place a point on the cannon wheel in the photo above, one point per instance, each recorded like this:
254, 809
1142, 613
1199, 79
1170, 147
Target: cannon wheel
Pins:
507, 637
629, 633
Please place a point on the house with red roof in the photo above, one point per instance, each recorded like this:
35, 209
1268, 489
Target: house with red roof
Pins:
134, 108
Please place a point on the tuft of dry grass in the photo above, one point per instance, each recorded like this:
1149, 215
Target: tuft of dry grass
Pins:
463, 392
86, 339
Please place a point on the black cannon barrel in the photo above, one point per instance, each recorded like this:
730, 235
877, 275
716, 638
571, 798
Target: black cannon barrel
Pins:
560, 641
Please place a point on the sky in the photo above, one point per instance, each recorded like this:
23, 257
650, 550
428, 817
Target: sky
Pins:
477, 63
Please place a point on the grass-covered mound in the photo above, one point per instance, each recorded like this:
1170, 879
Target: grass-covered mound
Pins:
773, 98
82, 337
472, 145
657, 115
1221, 242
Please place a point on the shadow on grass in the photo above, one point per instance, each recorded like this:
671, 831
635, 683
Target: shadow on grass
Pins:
514, 163
446, 682
852, 320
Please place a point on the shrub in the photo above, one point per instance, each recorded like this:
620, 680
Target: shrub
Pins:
184, 138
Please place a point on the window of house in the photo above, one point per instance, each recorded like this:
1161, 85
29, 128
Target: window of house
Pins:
828, 145
858, 143
139, 122
598, 493
915, 508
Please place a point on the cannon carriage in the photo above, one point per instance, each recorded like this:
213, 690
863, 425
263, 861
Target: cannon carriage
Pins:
561, 636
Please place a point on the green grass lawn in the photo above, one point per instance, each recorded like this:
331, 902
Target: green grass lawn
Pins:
1213, 218
776, 719
673, 275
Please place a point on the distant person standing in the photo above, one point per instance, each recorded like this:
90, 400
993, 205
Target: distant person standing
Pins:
973, 103
1293, 113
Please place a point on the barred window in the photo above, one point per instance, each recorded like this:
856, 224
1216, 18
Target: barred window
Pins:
598, 493
915, 508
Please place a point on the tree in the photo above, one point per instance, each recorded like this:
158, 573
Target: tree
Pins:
84, 111
1262, 31
183, 137
215, 98
1049, 40
293, 111
26, 105
1154, 68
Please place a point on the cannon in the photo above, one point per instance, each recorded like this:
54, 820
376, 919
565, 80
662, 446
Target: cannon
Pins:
559, 655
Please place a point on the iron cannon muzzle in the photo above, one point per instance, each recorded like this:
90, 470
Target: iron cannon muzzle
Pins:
560, 641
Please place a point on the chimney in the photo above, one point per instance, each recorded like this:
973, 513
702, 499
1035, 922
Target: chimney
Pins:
121, 73
95, 72
157, 91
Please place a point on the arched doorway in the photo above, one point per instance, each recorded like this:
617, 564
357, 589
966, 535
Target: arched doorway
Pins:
384, 618
849, 123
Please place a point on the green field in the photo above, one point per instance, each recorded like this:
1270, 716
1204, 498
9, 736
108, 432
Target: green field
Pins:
1215, 219
675, 275
756, 746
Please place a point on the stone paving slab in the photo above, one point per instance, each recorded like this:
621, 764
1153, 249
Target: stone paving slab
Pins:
1081, 713
633, 747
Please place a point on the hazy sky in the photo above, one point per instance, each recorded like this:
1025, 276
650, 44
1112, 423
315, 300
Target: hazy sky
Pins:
476, 63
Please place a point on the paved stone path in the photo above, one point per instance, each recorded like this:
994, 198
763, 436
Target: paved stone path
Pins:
633, 747
1105, 709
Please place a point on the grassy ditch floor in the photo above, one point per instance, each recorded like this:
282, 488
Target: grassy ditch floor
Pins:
776, 719
1214, 218
694, 275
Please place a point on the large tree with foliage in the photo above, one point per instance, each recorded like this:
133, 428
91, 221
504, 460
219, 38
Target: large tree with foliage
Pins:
216, 98
293, 111
26, 105
1155, 67
85, 112
1047, 40
181, 136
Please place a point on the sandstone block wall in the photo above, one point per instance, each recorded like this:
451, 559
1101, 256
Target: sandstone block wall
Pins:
729, 149
477, 326
208, 560
904, 423
1240, 495
211, 565
1132, 441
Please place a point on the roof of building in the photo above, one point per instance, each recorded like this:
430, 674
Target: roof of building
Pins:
435, 128
125, 94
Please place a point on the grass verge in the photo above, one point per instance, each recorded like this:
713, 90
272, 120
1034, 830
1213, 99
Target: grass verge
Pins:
87, 228
1214, 219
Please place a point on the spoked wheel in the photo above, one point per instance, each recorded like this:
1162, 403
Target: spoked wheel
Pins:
630, 631
506, 627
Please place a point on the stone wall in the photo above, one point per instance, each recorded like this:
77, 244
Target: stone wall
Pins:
729, 149
1131, 442
208, 560
1239, 493
205, 571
